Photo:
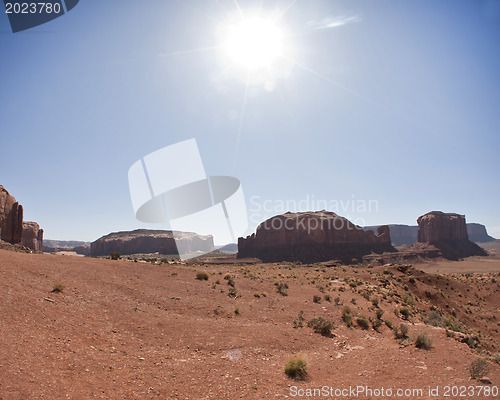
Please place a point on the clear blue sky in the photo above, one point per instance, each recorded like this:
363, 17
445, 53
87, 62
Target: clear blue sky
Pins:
396, 102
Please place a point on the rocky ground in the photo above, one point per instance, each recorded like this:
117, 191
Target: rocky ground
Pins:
137, 330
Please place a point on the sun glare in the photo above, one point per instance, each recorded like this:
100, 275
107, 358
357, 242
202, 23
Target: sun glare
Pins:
254, 43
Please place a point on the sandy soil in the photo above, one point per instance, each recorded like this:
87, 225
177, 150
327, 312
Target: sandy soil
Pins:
125, 330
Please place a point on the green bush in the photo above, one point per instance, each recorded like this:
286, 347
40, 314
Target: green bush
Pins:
202, 276
282, 288
58, 288
114, 255
321, 326
401, 332
478, 368
346, 316
296, 368
423, 341
316, 299
362, 322
405, 312
299, 322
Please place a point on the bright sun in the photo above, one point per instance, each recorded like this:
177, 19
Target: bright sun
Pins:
254, 43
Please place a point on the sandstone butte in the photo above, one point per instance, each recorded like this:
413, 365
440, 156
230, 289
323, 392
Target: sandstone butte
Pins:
447, 232
12, 228
311, 237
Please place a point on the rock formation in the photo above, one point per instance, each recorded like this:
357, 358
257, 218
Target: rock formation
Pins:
310, 237
448, 233
11, 218
408, 234
400, 234
145, 241
84, 249
477, 233
32, 236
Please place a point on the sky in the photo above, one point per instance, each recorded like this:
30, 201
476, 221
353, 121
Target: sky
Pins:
380, 110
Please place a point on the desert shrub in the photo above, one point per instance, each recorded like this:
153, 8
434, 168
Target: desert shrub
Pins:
256, 294
230, 281
114, 255
202, 276
478, 368
376, 323
346, 316
434, 318
472, 342
296, 368
401, 332
328, 298
375, 302
237, 311
227, 276
388, 323
299, 322
379, 313
405, 312
58, 288
321, 326
423, 341
409, 300
496, 358
282, 288
453, 324
362, 322
316, 299
232, 292
337, 301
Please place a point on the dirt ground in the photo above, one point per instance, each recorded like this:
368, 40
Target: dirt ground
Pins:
125, 330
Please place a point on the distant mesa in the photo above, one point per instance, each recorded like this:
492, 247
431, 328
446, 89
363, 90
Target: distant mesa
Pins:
311, 237
13, 229
448, 233
146, 241
53, 246
408, 234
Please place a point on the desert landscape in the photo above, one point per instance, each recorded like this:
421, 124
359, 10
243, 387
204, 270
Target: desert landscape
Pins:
225, 326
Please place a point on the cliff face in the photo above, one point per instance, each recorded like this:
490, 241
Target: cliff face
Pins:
312, 236
32, 236
448, 233
150, 241
477, 233
11, 218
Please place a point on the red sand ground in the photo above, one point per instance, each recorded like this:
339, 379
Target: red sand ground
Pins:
124, 330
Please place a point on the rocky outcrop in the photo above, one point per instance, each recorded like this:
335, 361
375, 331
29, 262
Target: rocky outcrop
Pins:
311, 237
145, 241
447, 232
11, 218
400, 234
32, 236
477, 233
84, 249
408, 234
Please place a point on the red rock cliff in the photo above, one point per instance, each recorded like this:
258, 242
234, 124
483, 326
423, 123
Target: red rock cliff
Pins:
310, 237
447, 232
32, 236
11, 218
